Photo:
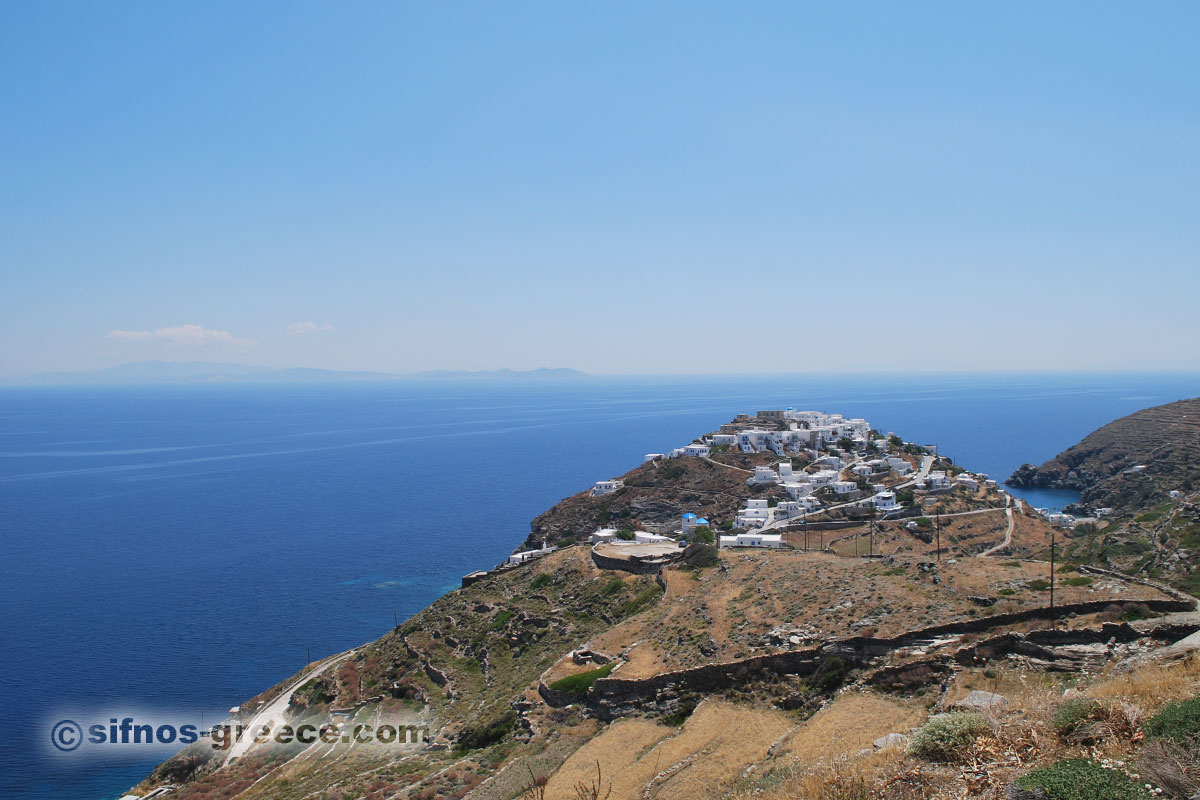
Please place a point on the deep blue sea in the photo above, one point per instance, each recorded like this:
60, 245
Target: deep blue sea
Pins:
186, 547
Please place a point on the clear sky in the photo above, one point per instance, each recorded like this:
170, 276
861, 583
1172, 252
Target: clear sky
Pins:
619, 188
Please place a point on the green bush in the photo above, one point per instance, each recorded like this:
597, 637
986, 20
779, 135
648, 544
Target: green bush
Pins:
541, 580
1083, 779
1038, 584
938, 739
580, 682
615, 586
486, 734
501, 619
643, 599
703, 534
1178, 722
830, 674
701, 555
625, 534
1078, 580
1074, 712
924, 522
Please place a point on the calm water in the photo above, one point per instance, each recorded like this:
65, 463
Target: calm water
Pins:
185, 547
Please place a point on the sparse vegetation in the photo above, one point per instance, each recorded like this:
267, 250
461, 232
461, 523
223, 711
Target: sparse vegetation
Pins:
945, 736
1083, 779
1178, 722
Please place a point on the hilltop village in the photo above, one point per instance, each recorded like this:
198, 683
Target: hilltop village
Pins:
776, 479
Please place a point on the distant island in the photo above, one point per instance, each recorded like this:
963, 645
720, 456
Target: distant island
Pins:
193, 372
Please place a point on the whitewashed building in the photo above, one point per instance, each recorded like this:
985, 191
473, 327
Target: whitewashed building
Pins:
697, 450
604, 535
773, 540
763, 476
845, 487
602, 488
528, 555
885, 501
754, 515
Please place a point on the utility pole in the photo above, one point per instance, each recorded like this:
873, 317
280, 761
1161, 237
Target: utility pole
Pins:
938, 529
1052, 542
871, 552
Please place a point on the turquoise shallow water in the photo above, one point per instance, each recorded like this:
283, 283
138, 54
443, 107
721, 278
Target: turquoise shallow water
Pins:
186, 547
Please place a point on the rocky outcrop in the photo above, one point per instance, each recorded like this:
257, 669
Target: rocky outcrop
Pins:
1129, 463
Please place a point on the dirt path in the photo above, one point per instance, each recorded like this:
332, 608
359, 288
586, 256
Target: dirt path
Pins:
273, 713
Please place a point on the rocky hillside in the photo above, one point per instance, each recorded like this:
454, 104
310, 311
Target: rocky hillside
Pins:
1128, 464
655, 495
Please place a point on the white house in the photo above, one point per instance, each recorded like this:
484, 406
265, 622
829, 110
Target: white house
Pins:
1175, 494
606, 487
646, 459
526, 555
938, 480
798, 489
824, 477
967, 482
604, 535
697, 450
754, 515
845, 487
763, 475
885, 501
899, 465
724, 438
752, 540
861, 469
643, 537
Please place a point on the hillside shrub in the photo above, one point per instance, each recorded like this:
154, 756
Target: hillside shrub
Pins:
701, 555
1077, 580
580, 682
1038, 584
924, 522
1178, 722
1083, 779
486, 734
501, 619
942, 737
625, 534
641, 600
830, 674
1073, 713
615, 586
541, 580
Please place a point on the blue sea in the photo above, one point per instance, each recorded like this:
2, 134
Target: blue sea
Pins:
187, 547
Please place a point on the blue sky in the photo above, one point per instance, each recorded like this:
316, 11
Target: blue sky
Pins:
620, 188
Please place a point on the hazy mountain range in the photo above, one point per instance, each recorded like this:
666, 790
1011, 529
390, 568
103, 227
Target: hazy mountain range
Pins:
150, 372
